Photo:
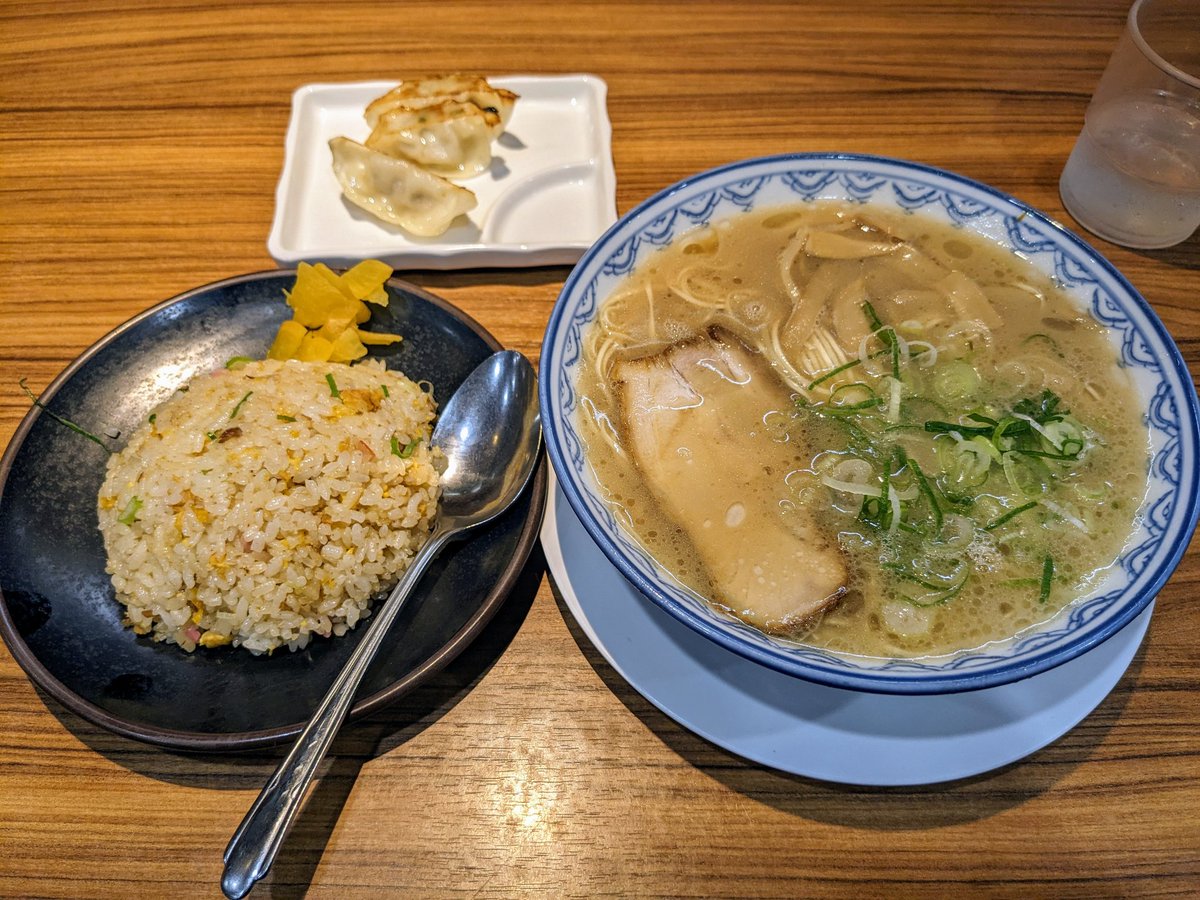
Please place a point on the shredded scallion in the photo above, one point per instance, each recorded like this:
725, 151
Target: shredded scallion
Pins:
1011, 514
834, 372
939, 469
245, 397
1047, 577
60, 419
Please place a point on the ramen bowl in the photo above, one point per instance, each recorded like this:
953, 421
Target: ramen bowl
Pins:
1160, 379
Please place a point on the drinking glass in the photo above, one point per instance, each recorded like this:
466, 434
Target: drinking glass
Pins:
1134, 175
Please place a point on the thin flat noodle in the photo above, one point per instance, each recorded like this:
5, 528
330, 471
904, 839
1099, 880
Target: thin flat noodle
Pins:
396, 190
449, 138
693, 420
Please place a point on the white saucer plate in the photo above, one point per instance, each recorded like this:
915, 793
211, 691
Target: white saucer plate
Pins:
809, 729
550, 192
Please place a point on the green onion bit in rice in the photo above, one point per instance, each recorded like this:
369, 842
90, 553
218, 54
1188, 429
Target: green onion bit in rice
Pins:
407, 450
333, 388
129, 514
233, 415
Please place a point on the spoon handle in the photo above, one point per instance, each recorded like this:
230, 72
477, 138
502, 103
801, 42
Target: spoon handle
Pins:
253, 846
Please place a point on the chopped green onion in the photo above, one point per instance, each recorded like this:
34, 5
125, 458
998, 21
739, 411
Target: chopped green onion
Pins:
887, 335
333, 388
834, 372
153, 416
57, 418
841, 400
245, 397
1011, 514
407, 450
956, 381
926, 490
129, 515
1009, 427
869, 513
1026, 475
386, 394
936, 427
1047, 575
905, 511
945, 598
1042, 409
283, 418
908, 576
886, 513
872, 318
236, 362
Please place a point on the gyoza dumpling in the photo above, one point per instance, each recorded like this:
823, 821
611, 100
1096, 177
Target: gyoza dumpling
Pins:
428, 91
397, 191
450, 138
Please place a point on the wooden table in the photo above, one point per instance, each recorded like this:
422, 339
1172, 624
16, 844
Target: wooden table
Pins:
140, 151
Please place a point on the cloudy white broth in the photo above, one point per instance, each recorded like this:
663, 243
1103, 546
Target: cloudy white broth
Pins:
862, 430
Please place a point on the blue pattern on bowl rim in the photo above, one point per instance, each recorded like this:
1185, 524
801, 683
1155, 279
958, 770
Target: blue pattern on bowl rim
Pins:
1168, 516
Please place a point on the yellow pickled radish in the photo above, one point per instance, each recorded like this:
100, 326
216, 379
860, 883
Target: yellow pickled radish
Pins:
378, 338
287, 340
314, 348
327, 309
347, 347
365, 281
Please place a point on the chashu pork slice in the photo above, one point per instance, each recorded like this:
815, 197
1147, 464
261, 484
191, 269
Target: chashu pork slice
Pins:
693, 421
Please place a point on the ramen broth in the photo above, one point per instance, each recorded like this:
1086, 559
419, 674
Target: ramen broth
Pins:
954, 427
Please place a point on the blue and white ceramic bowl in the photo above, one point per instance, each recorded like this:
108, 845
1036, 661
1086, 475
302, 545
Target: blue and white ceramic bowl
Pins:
1167, 519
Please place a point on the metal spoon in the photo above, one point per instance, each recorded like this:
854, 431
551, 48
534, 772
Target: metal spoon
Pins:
490, 432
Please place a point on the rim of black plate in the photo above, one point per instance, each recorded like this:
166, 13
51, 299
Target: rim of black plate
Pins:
245, 740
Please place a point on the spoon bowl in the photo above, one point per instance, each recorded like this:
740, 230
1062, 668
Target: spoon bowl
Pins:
490, 419
490, 434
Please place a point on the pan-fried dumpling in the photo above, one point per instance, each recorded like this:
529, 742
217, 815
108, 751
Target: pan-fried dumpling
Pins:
450, 138
397, 191
429, 91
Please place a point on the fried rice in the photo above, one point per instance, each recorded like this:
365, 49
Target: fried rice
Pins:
261, 505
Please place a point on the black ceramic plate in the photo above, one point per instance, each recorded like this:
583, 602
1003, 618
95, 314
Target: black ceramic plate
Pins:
58, 613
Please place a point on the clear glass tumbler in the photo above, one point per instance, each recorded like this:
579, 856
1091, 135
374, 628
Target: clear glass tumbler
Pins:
1134, 175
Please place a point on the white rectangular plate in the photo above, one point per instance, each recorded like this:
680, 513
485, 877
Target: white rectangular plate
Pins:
550, 191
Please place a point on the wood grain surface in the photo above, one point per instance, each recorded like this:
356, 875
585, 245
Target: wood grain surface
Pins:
140, 150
